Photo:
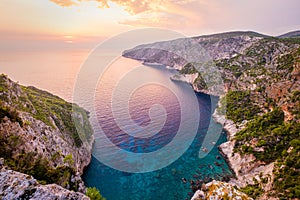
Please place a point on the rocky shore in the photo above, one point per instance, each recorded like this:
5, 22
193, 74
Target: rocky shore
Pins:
245, 167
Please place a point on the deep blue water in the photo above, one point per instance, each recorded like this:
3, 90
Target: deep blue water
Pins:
163, 183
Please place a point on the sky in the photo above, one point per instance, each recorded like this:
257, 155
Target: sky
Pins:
85, 22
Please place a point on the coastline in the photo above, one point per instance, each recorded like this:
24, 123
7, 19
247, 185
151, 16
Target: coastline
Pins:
246, 170
244, 167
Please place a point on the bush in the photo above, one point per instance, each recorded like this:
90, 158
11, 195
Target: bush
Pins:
10, 113
69, 159
94, 194
253, 191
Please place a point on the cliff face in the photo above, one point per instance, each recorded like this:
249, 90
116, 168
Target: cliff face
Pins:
174, 53
260, 106
43, 135
246, 168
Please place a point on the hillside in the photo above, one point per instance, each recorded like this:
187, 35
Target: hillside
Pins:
44, 136
261, 102
290, 34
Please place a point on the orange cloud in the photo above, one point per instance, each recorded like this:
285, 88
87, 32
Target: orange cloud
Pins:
131, 6
64, 3
155, 13
155, 19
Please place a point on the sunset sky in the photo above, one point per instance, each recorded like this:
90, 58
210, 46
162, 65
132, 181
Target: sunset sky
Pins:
45, 42
90, 21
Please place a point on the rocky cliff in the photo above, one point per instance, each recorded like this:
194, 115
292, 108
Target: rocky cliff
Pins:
219, 190
44, 136
16, 185
259, 107
174, 53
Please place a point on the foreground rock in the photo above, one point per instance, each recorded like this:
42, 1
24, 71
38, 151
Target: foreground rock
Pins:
15, 185
219, 190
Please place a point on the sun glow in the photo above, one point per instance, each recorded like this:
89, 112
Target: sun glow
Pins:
69, 39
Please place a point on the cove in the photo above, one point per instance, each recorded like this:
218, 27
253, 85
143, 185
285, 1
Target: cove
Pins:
175, 181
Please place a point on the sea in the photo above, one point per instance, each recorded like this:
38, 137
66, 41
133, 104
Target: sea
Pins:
155, 138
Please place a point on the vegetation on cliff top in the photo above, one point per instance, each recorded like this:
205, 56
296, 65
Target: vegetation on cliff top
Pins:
52, 108
44, 106
188, 69
270, 139
239, 106
233, 34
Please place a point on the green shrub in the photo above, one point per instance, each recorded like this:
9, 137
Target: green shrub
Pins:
94, 194
69, 159
253, 191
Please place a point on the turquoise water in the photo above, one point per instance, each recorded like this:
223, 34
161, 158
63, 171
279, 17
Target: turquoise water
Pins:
175, 181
